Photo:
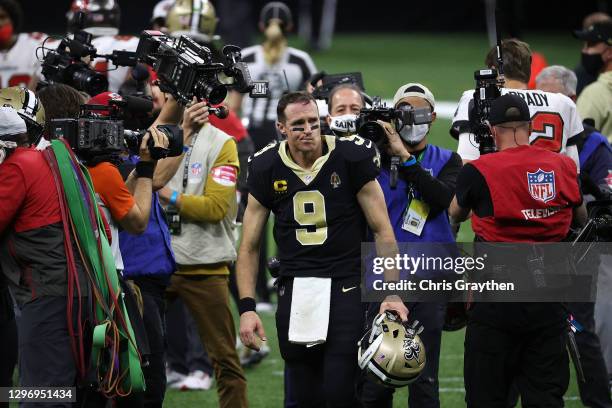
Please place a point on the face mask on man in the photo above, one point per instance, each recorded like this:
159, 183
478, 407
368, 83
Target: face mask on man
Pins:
592, 63
414, 134
343, 125
6, 33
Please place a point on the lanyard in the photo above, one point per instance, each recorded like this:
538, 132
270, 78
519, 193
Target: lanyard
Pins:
411, 188
187, 157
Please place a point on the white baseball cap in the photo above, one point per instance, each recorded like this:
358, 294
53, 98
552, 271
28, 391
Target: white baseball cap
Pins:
11, 123
414, 89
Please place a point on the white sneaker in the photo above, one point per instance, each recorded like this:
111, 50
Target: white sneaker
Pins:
173, 377
196, 380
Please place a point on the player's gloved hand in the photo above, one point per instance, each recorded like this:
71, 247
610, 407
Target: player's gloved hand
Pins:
396, 146
393, 303
194, 118
251, 330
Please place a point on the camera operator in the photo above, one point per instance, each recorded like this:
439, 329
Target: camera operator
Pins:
201, 199
102, 20
427, 178
595, 164
516, 342
125, 204
148, 263
33, 257
555, 118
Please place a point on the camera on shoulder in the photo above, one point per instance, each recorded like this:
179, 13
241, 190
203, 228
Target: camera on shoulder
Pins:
99, 131
186, 69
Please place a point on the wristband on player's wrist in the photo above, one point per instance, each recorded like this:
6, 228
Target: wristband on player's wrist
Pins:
411, 161
173, 198
246, 304
145, 169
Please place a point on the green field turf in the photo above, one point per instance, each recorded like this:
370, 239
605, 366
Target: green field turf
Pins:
445, 63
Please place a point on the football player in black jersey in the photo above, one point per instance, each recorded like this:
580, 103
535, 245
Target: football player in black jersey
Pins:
324, 194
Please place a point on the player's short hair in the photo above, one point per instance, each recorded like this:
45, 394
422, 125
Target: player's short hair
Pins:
340, 87
565, 76
60, 102
15, 12
289, 98
517, 59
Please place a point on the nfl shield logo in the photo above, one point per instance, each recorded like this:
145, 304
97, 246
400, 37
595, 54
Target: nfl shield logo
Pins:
196, 169
542, 185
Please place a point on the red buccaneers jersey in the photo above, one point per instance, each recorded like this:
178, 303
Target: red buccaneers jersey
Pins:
533, 192
19, 64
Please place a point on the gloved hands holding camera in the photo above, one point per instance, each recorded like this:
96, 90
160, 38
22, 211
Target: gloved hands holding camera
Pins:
395, 146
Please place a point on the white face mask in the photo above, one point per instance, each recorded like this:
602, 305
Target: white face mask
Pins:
414, 134
344, 125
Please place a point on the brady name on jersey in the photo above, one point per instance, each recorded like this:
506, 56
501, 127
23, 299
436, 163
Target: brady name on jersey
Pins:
554, 121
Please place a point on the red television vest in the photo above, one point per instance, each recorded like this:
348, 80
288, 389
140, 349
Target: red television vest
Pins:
533, 192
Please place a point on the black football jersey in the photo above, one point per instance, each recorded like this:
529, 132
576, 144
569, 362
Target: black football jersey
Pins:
318, 224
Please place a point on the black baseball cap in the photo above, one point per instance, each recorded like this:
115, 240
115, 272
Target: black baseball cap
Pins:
276, 9
596, 33
509, 108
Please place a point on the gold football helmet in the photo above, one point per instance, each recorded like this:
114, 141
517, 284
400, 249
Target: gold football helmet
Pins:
392, 353
192, 18
28, 107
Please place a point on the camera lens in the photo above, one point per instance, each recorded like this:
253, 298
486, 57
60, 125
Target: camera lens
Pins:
92, 82
372, 131
211, 90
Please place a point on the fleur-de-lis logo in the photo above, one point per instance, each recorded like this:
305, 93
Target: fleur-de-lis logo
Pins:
412, 349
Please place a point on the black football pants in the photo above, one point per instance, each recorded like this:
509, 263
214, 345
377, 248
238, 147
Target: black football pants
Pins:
325, 375
497, 357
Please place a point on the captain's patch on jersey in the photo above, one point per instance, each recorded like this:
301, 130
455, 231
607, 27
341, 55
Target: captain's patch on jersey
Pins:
225, 175
541, 185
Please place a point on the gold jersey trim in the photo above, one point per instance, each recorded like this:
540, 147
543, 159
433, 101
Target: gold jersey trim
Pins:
307, 175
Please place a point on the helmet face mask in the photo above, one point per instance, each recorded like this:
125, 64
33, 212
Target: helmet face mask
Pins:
28, 107
392, 354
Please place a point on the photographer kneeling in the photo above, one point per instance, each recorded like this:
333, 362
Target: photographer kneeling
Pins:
425, 186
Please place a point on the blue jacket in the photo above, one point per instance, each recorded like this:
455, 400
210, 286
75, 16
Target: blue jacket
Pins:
596, 157
149, 253
437, 228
